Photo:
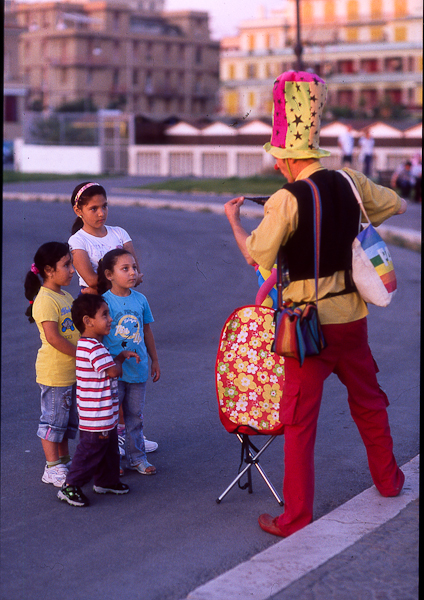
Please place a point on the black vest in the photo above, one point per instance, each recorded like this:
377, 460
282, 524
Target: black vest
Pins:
340, 220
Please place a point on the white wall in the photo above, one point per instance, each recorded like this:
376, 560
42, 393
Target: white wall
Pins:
32, 158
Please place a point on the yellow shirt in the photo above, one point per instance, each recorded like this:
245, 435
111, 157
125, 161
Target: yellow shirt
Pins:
279, 224
53, 368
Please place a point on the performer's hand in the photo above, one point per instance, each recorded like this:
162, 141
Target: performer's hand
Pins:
232, 209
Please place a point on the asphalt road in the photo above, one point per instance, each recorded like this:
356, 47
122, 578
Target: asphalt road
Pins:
168, 535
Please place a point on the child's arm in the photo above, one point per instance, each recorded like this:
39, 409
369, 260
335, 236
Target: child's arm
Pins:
53, 337
129, 247
116, 370
85, 269
149, 340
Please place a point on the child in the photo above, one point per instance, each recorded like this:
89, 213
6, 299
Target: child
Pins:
97, 453
131, 316
91, 239
50, 308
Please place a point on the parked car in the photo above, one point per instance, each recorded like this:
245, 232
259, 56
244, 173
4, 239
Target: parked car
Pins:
7, 152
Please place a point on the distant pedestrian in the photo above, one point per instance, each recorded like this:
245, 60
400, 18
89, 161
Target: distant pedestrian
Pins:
97, 453
417, 172
90, 240
366, 143
346, 142
50, 308
131, 318
403, 179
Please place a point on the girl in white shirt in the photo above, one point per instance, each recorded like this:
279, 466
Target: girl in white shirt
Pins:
92, 238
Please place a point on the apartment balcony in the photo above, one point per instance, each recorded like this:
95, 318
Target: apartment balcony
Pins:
374, 78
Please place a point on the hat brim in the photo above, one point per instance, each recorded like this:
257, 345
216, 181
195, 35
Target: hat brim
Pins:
296, 153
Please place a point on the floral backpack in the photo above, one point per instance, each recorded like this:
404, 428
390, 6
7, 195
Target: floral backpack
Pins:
249, 377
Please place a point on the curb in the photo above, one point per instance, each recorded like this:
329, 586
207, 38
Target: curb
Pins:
287, 561
404, 238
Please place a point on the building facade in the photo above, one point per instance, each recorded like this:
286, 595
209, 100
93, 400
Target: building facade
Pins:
14, 92
368, 51
124, 54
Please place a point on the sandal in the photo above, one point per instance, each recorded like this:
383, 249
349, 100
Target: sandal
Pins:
144, 468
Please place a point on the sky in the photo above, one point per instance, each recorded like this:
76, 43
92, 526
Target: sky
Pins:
224, 15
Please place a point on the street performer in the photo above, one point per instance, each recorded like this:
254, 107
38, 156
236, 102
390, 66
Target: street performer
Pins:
299, 99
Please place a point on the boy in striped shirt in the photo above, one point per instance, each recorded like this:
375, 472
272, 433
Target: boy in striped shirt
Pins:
97, 453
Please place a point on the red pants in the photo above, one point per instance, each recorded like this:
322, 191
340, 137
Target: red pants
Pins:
348, 356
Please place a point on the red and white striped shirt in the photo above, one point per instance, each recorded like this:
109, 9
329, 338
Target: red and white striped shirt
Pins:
97, 393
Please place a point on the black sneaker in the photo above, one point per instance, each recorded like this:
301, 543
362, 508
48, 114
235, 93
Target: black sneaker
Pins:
118, 488
73, 495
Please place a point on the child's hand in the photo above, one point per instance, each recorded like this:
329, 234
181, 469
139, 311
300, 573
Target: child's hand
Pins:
130, 354
126, 354
155, 370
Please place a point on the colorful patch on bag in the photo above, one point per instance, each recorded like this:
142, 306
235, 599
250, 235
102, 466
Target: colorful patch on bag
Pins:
249, 376
267, 281
378, 253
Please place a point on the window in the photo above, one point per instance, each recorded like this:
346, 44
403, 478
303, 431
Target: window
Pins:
198, 57
401, 8
376, 33
345, 66
306, 11
251, 100
352, 34
329, 11
231, 71
369, 65
352, 10
251, 71
10, 109
395, 96
400, 33
231, 103
376, 8
369, 98
345, 98
393, 64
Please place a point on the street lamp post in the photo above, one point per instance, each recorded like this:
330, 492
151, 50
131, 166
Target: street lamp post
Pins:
298, 49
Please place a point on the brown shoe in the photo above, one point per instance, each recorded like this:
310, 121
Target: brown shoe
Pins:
269, 524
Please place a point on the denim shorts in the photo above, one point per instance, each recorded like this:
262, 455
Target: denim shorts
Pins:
59, 416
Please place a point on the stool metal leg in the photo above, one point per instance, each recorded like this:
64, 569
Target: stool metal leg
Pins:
252, 458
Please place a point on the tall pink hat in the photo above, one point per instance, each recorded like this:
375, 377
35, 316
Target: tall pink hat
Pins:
299, 99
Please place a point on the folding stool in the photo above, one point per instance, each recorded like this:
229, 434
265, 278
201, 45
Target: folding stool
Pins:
250, 455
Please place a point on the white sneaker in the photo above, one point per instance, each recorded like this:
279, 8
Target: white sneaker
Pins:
150, 446
55, 475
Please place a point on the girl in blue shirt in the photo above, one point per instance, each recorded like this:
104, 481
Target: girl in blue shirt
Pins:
131, 318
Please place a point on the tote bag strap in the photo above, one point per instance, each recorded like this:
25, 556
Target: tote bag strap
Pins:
356, 193
317, 229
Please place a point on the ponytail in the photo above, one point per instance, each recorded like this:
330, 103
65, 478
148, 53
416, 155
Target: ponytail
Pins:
47, 255
32, 287
77, 225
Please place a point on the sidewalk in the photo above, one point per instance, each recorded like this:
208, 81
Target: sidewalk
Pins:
365, 549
